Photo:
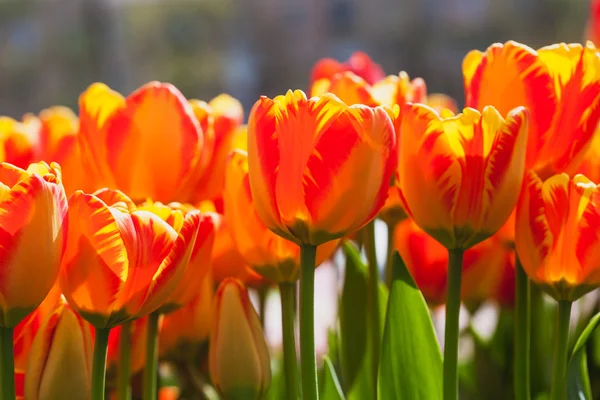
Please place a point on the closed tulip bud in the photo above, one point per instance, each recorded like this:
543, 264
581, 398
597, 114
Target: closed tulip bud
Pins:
460, 175
557, 234
309, 158
32, 212
60, 363
239, 360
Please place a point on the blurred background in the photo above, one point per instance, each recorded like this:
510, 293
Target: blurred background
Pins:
51, 50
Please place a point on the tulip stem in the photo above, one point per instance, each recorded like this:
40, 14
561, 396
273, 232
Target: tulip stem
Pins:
561, 345
287, 293
455, 258
151, 368
99, 363
8, 364
308, 362
522, 333
390, 254
124, 368
373, 300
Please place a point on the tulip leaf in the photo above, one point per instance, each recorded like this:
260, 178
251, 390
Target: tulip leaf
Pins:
578, 380
410, 366
331, 386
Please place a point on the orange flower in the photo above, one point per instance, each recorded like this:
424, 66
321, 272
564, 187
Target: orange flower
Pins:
559, 84
309, 158
485, 267
590, 166
33, 207
146, 145
271, 256
460, 176
238, 357
25, 331
17, 142
186, 328
359, 64
137, 351
121, 263
60, 363
201, 254
556, 236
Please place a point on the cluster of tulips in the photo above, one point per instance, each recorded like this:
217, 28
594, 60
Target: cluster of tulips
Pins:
129, 234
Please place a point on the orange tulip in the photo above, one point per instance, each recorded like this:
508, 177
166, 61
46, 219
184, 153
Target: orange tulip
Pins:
559, 84
590, 166
121, 263
137, 350
186, 328
199, 259
460, 176
238, 357
33, 207
486, 266
359, 63
26, 330
18, 142
309, 158
556, 234
271, 256
60, 363
147, 145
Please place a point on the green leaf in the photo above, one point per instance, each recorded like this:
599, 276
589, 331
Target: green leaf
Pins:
410, 366
353, 316
331, 389
578, 380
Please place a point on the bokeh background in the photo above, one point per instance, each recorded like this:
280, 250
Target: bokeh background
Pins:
51, 50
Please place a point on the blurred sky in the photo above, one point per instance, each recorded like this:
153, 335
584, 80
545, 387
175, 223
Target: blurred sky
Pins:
51, 50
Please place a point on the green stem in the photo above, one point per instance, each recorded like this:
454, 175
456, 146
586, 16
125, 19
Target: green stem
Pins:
373, 300
287, 294
8, 364
390, 254
308, 362
561, 345
262, 303
124, 368
455, 257
151, 368
522, 334
99, 363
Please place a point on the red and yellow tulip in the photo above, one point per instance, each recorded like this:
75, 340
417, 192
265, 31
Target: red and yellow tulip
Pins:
309, 158
60, 362
556, 234
359, 63
460, 176
120, 263
238, 358
33, 207
559, 84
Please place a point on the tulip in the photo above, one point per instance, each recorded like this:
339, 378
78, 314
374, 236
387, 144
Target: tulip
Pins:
147, 145
359, 63
486, 267
460, 178
590, 166
557, 244
183, 330
239, 361
592, 29
60, 363
309, 157
559, 84
120, 264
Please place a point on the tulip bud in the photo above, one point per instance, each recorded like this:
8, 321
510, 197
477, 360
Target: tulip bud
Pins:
60, 362
239, 361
